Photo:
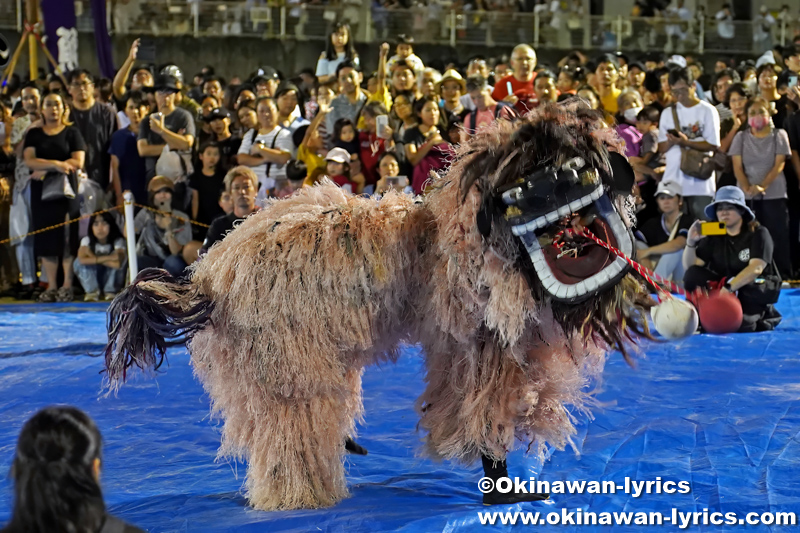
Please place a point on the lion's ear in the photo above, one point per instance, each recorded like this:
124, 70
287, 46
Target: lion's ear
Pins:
484, 218
622, 174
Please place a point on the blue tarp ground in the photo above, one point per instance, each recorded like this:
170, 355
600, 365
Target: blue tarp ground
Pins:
719, 412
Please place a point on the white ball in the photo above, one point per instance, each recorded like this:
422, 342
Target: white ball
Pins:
675, 319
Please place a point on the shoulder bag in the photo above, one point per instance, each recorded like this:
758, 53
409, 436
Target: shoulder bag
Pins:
696, 163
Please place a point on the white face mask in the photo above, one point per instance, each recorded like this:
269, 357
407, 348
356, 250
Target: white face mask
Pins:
630, 114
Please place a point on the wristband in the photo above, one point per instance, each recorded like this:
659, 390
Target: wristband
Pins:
691, 245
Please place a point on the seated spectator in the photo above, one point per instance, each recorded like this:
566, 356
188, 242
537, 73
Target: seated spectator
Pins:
338, 170
101, 259
225, 202
759, 155
545, 87
56, 475
163, 234
373, 143
220, 122
742, 258
266, 149
242, 185
357, 175
404, 78
206, 184
485, 109
345, 136
296, 175
629, 104
128, 171
390, 178
664, 237
425, 147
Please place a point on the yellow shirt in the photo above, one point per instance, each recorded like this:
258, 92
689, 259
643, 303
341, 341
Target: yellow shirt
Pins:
381, 95
313, 163
609, 101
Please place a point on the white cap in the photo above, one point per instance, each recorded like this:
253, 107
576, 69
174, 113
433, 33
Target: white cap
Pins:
338, 155
670, 188
767, 57
677, 60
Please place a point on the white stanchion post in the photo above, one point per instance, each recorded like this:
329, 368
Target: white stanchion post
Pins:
130, 235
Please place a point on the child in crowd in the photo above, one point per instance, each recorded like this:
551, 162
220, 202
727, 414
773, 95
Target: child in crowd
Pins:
101, 259
338, 169
357, 175
220, 122
649, 165
226, 202
296, 174
373, 143
310, 143
206, 185
344, 135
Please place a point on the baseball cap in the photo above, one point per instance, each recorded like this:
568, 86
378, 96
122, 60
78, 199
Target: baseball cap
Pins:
338, 155
265, 73
217, 113
669, 188
166, 82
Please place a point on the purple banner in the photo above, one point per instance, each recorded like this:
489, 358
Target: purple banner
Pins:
102, 39
62, 35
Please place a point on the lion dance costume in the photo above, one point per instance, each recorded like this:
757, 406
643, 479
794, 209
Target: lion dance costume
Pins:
283, 315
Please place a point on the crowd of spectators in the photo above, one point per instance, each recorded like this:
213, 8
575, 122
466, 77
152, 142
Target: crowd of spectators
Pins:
206, 152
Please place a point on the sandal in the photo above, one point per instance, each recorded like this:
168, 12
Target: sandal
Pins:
65, 295
48, 296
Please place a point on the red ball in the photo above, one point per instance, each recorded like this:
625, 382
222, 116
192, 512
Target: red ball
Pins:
720, 312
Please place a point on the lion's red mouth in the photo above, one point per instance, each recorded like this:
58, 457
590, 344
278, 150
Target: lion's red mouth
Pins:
580, 257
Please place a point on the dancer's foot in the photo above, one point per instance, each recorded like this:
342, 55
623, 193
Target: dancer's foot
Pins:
353, 447
496, 470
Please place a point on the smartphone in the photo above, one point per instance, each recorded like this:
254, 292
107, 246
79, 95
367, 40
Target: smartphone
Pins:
394, 181
792, 81
147, 50
712, 228
673, 132
381, 122
509, 88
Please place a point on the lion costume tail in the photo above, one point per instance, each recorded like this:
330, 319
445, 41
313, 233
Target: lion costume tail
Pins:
155, 312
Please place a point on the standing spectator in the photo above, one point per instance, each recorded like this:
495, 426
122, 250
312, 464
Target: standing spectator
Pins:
520, 81
311, 146
607, 73
404, 51
649, 165
740, 257
629, 104
128, 169
665, 235
762, 30
759, 155
141, 78
569, 79
451, 87
288, 99
101, 259
162, 234
170, 129
213, 86
352, 98
248, 119
425, 147
544, 87
404, 79
182, 100
486, 109
208, 184
266, 81
588, 93
636, 75
725, 27
56, 473
698, 129
56, 146
242, 185
30, 96
339, 48
719, 88
768, 89
266, 149
220, 121
96, 122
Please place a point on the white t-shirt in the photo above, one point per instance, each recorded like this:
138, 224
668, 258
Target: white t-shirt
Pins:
104, 249
283, 141
700, 123
326, 67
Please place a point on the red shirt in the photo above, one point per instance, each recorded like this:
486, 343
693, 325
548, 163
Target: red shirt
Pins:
345, 183
371, 148
521, 89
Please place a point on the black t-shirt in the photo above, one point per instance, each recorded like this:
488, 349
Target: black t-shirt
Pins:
727, 256
655, 230
414, 136
208, 190
58, 147
228, 150
97, 124
219, 228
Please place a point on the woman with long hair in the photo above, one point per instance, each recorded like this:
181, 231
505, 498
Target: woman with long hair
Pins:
56, 473
58, 149
425, 147
759, 154
339, 48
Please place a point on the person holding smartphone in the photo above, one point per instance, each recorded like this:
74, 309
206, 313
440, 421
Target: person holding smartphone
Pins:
741, 259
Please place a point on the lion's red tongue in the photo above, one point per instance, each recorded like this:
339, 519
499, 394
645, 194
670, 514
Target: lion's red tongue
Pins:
592, 258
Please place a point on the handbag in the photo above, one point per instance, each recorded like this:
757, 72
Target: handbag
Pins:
765, 289
698, 164
56, 186
173, 165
